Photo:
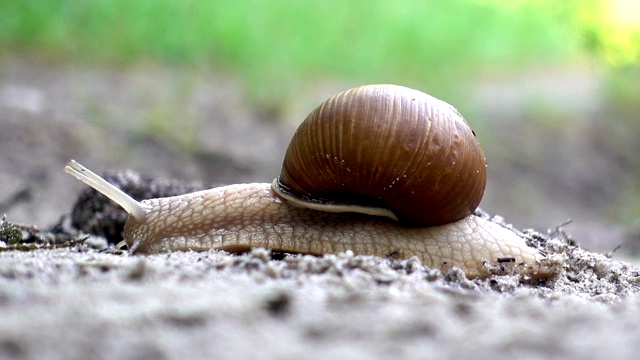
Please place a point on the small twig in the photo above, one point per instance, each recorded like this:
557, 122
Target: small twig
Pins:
610, 253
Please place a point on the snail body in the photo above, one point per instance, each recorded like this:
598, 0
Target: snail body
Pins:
295, 214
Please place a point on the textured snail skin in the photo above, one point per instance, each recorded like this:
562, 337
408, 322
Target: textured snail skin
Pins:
240, 217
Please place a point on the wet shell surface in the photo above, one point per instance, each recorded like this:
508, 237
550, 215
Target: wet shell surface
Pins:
391, 147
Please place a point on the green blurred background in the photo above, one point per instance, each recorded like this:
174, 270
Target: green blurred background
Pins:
552, 85
418, 43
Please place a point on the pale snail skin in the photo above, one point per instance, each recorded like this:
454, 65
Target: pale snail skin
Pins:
239, 217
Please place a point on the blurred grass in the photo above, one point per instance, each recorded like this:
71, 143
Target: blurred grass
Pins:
278, 45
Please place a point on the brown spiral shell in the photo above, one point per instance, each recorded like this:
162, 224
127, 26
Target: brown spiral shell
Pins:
390, 147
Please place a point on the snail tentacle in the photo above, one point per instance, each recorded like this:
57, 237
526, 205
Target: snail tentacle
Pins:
133, 207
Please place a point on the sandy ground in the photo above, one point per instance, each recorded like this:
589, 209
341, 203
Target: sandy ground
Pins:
80, 303
90, 301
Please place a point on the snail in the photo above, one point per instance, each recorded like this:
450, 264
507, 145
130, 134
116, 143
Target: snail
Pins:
379, 170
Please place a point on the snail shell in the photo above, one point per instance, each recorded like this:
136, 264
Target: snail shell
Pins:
380, 147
